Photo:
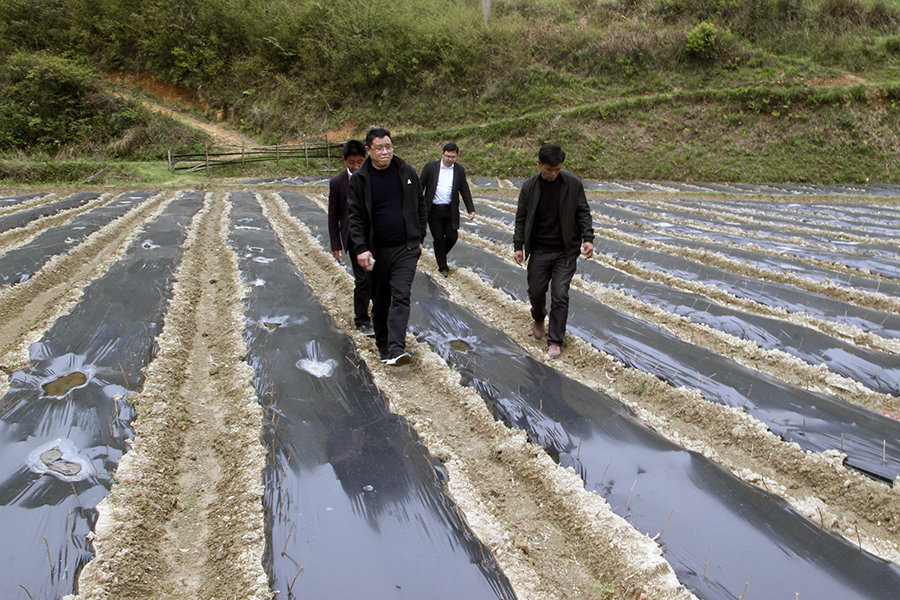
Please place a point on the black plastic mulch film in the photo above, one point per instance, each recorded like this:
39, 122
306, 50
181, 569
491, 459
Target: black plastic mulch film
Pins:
20, 264
19, 198
768, 293
877, 370
873, 257
813, 420
355, 506
765, 222
862, 217
65, 421
356, 473
720, 532
791, 299
25, 216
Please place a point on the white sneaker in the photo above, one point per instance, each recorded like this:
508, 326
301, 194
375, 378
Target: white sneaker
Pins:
399, 361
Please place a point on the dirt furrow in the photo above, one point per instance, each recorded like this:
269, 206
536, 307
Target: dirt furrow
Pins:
184, 519
553, 539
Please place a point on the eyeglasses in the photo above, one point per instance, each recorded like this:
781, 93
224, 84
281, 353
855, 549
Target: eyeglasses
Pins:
383, 148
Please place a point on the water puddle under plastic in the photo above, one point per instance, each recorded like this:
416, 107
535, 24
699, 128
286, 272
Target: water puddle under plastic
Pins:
63, 385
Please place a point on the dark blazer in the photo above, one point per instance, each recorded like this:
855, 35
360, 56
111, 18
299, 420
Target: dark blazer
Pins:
574, 214
359, 199
429, 181
338, 211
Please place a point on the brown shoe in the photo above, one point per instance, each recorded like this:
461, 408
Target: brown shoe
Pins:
537, 328
553, 351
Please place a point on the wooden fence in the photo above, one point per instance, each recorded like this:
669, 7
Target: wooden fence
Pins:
241, 155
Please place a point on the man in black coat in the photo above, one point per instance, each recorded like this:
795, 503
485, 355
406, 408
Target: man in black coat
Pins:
354, 153
387, 223
553, 224
444, 180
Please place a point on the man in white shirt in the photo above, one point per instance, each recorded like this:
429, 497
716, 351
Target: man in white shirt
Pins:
443, 181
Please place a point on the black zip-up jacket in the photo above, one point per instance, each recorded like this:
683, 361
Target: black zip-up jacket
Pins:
359, 198
574, 214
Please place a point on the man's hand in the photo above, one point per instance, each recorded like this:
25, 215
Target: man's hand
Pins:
365, 260
520, 256
337, 254
472, 215
588, 249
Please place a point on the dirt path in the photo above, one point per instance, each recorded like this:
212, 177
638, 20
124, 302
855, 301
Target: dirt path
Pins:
221, 135
167, 95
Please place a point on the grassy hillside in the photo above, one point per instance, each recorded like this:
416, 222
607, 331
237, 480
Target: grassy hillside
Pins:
715, 90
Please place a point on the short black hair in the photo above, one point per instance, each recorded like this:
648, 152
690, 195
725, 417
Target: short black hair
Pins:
451, 147
551, 155
377, 132
353, 148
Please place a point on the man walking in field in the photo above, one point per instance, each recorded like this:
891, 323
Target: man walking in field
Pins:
387, 227
553, 224
444, 181
354, 154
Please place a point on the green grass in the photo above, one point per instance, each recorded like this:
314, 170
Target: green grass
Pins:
712, 90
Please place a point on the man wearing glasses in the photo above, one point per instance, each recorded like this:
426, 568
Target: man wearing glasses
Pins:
387, 226
444, 180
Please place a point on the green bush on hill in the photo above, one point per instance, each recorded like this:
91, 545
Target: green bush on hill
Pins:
52, 106
286, 69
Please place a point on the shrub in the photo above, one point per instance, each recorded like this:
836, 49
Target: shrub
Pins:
33, 25
891, 92
892, 44
53, 105
45, 102
701, 41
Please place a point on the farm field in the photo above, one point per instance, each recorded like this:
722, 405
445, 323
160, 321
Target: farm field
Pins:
188, 412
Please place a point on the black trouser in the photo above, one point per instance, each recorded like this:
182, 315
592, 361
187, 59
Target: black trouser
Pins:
555, 270
392, 278
442, 231
362, 290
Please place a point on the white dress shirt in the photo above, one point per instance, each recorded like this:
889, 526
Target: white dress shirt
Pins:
444, 185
